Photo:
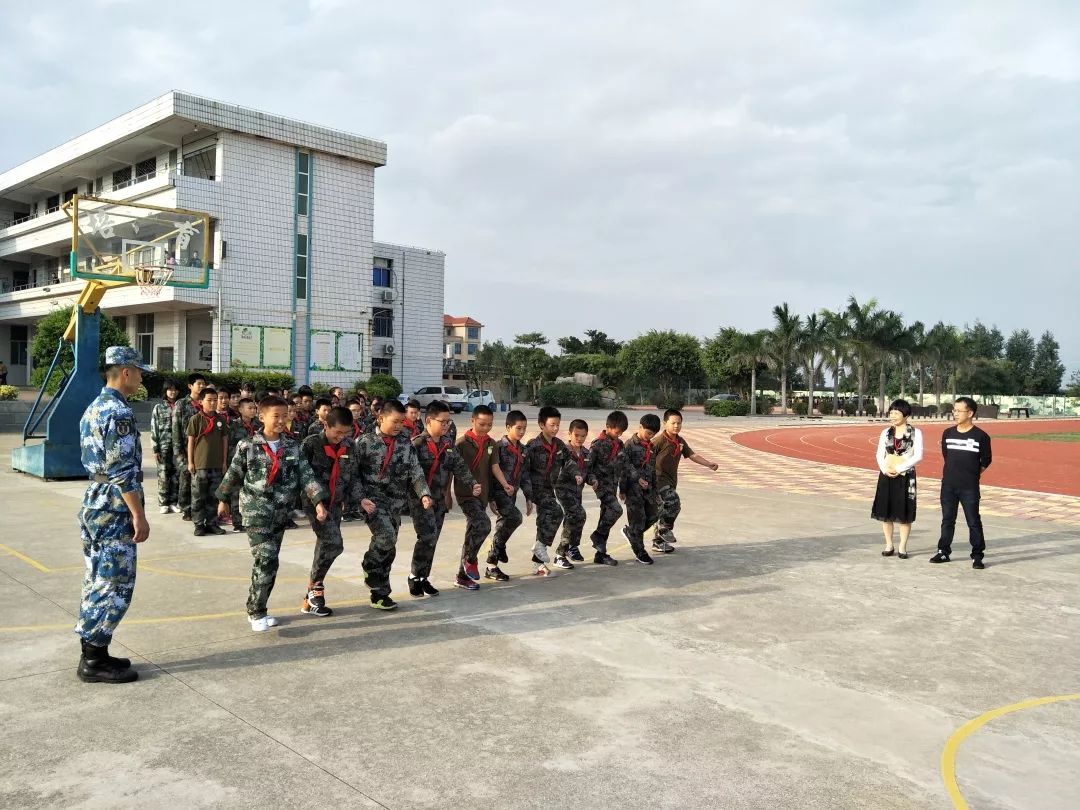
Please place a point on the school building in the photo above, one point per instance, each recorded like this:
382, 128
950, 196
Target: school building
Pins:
298, 282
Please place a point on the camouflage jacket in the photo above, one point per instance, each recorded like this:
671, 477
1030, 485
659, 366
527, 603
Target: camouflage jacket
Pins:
110, 446
605, 462
449, 462
238, 431
367, 423
347, 487
181, 413
543, 464
389, 469
314, 428
566, 485
264, 503
510, 456
639, 462
161, 436
479, 463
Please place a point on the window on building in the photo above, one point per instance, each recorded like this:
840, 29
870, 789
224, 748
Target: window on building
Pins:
383, 322
303, 183
71, 192
457, 348
121, 321
201, 164
474, 333
472, 349
144, 336
52, 204
146, 169
121, 178
382, 365
18, 345
382, 273
301, 265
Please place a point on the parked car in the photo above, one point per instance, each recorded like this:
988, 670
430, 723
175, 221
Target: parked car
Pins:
481, 397
451, 395
724, 398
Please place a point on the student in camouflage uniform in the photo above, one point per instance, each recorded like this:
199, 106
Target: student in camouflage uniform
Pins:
113, 518
477, 450
318, 424
637, 486
605, 459
568, 486
388, 468
351, 511
207, 449
507, 471
332, 455
161, 440
438, 460
670, 449
545, 457
411, 423
184, 410
269, 469
245, 427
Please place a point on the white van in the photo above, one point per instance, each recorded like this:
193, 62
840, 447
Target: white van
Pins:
451, 395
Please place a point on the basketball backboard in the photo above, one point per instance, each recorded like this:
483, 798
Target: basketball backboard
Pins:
116, 241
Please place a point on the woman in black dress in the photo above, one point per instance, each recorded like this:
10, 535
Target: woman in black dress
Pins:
899, 449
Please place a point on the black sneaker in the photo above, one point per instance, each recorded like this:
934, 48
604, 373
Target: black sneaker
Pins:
416, 587
466, 582
562, 562
662, 546
238, 527
495, 573
939, 558
213, 528
429, 589
643, 557
575, 554
292, 524
604, 559
200, 531
186, 516
978, 565
315, 602
383, 602
347, 517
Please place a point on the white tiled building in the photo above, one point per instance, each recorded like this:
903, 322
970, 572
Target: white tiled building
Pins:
298, 282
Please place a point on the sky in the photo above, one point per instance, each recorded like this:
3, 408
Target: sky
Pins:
626, 166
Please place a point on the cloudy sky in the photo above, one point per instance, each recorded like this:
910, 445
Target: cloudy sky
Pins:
629, 165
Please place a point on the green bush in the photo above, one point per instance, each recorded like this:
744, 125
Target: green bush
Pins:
258, 380
569, 395
8, 392
139, 396
380, 385
799, 408
727, 407
871, 408
665, 401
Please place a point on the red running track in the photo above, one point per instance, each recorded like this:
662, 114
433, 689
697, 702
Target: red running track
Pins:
1030, 464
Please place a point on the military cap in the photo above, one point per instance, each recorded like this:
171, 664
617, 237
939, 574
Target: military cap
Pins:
124, 356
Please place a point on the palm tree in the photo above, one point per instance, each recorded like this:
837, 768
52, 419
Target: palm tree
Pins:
835, 338
749, 352
810, 349
888, 340
917, 352
861, 339
781, 344
938, 341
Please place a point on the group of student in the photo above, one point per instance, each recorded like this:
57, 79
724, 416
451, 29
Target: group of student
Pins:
333, 460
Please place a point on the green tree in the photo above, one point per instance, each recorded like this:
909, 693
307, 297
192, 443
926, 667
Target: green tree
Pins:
571, 345
863, 321
533, 365
836, 347
50, 330
1047, 370
1020, 352
783, 338
984, 342
1074, 385
382, 385
669, 359
811, 348
532, 340
987, 376
719, 359
890, 345
751, 353
599, 343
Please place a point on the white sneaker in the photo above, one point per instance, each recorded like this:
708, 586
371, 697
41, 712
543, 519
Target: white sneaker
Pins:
271, 621
166, 509
176, 510
263, 624
299, 514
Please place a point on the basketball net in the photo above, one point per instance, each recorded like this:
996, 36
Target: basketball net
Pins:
152, 278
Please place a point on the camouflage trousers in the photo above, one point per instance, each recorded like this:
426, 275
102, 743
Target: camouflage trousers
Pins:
670, 506
508, 521
328, 541
203, 500
183, 477
642, 511
477, 528
610, 512
110, 555
265, 547
549, 516
573, 521
428, 525
168, 483
384, 525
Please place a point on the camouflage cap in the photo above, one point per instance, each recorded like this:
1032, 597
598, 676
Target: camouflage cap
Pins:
124, 356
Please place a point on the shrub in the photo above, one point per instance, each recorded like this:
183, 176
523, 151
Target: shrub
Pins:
727, 407
139, 396
665, 401
380, 385
799, 408
258, 380
8, 392
871, 408
569, 395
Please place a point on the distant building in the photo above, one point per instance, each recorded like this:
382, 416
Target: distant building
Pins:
461, 345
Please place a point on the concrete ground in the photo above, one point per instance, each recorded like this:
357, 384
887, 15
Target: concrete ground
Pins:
775, 660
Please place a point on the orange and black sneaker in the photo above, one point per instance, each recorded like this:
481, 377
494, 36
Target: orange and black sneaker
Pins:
315, 601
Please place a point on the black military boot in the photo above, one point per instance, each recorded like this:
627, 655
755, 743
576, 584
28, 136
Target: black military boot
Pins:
97, 666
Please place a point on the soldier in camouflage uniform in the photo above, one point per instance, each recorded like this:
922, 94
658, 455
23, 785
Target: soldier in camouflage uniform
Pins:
637, 486
388, 469
245, 427
545, 457
113, 518
161, 441
270, 471
477, 450
438, 460
332, 455
507, 473
184, 410
605, 461
568, 486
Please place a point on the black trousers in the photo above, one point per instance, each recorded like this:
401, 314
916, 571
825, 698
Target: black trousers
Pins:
952, 497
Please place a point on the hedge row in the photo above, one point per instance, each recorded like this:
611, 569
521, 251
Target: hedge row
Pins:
569, 395
727, 407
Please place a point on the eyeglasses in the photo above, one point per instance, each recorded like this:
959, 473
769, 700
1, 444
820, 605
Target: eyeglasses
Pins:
444, 421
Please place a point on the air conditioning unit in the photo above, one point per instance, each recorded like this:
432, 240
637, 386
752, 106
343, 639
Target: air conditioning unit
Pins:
388, 349
389, 295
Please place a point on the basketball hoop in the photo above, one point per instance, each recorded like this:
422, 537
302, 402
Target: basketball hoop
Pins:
152, 278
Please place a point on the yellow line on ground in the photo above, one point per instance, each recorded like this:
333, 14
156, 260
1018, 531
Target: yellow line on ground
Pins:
28, 560
948, 756
216, 553
216, 577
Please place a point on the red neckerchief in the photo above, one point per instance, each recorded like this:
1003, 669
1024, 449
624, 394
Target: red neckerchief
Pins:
210, 423
275, 462
480, 445
389, 442
249, 427
616, 444
550, 453
170, 404
335, 454
580, 459
674, 443
517, 459
196, 405
355, 429
414, 430
436, 450
648, 451
225, 416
